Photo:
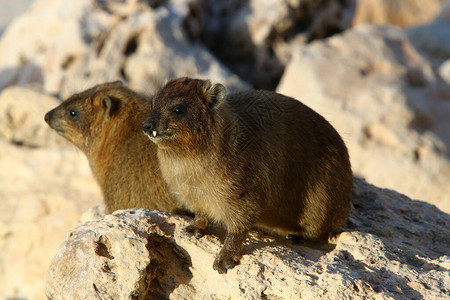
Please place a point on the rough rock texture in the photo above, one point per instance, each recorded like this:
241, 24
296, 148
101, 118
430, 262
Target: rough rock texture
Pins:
386, 101
250, 36
10, 10
432, 40
43, 190
403, 13
444, 71
67, 47
392, 248
21, 117
381, 87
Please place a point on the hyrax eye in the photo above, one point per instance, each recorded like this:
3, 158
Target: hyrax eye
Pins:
73, 113
179, 110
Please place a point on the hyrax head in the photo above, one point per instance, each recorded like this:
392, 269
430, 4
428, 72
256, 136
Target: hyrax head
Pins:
80, 118
182, 112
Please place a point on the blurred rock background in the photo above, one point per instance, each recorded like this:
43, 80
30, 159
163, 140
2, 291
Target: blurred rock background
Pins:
378, 70
10, 10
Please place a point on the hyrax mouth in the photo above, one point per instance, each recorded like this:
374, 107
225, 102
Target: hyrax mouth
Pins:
152, 134
156, 135
153, 131
57, 126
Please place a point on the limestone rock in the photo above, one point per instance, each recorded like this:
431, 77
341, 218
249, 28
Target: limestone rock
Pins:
387, 103
444, 71
403, 13
43, 191
399, 140
10, 10
250, 36
45, 185
392, 248
66, 47
22, 113
49, 41
432, 40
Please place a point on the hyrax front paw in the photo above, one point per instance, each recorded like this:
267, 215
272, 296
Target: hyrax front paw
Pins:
193, 230
226, 260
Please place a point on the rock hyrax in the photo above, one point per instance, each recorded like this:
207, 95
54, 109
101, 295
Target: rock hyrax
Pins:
105, 123
249, 158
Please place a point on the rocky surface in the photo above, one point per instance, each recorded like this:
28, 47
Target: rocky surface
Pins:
86, 42
42, 192
431, 39
21, 111
10, 10
45, 184
392, 248
250, 36
385, 89
403, 13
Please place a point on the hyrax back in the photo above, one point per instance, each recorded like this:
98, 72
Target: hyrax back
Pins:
104, 122
250, 158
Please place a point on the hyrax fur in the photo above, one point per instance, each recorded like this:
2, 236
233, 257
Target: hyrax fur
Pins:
249, 158
105, 123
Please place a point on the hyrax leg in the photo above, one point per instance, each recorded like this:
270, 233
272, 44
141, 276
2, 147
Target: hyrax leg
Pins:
198, 227
231, 252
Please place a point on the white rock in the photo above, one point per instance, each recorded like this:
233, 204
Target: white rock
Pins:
432, 40
251, 36
22, 113
403, 13
393, 248
49, 35
444, 71
45, 185
67, 47
43, 192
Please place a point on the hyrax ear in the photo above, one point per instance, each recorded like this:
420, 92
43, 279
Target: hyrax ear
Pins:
215, 95
110, 106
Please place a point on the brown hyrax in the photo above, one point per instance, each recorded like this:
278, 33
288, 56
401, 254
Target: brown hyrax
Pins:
253, 158
105, 123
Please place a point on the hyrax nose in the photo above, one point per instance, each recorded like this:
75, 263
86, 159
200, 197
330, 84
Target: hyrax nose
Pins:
148, 126
47, 117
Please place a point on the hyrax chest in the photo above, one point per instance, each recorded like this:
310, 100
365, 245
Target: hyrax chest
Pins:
196, 184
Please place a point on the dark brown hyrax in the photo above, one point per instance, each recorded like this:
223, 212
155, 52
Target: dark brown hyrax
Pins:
253, 158
105, 123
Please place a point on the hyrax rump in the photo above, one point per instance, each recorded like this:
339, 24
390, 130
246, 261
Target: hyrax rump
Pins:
249, 158
105, 123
